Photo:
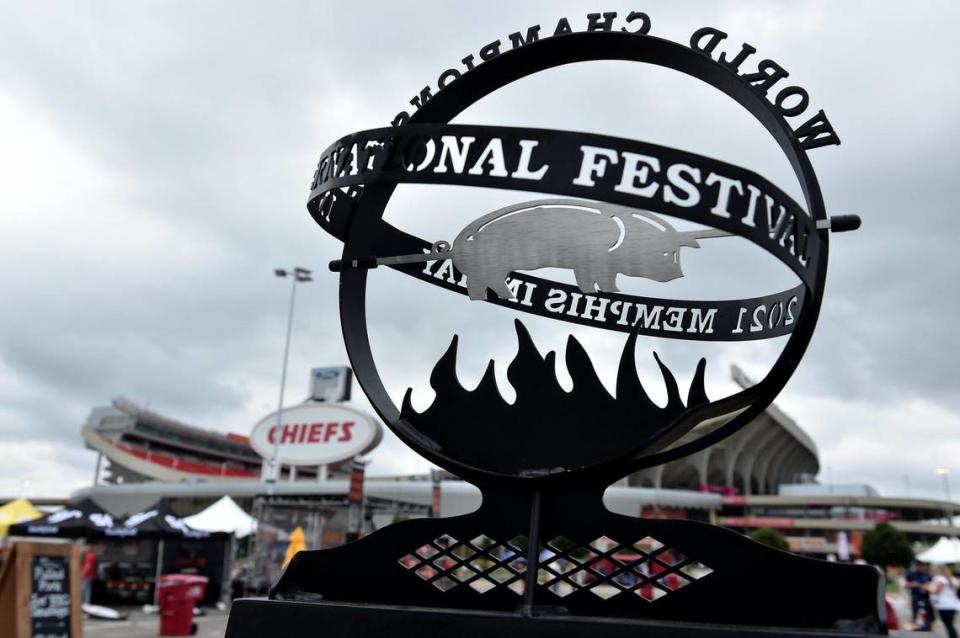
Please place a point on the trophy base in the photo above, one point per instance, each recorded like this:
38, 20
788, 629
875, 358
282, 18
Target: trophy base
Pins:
262, 618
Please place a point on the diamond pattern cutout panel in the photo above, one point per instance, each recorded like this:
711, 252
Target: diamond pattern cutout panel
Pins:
480, 563
646, 568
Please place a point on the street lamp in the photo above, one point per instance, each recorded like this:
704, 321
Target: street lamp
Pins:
298, 275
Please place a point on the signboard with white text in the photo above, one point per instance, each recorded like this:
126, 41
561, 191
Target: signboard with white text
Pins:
316, 434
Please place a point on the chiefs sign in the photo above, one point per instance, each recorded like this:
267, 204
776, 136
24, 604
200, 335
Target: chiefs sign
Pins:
316, 434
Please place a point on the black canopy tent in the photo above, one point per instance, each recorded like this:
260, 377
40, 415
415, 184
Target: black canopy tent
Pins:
84, 519
116, 564
159, 521
179, 547
88, 520
182, 548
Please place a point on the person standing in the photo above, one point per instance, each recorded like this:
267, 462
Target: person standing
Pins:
88, 571
943, 591
917, 579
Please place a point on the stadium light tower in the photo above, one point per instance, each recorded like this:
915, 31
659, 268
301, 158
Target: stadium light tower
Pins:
297, 275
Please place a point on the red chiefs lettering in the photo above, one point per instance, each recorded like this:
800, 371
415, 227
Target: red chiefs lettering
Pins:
294, 433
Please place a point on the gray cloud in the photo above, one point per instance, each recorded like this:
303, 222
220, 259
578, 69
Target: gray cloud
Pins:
160, 155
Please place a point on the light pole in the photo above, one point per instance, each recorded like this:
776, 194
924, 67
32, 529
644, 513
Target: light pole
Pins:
944, 473
298, 275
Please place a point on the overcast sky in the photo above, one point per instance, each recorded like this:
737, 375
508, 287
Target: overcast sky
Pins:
155, 161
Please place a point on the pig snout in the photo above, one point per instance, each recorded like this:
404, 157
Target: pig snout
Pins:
666, 272
661, 264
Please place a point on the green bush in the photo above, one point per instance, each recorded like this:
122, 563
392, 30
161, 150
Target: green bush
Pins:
771, 537
887, 546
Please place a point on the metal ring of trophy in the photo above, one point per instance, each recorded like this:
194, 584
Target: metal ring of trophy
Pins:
628, 240
504, 158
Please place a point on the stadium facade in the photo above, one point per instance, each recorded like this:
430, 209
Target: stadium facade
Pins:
763, 476
135, 444
770, 451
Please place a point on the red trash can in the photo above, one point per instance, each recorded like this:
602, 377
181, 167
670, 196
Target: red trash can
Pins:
178, 595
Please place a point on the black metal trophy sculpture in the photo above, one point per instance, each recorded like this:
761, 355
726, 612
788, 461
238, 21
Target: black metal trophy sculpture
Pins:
543, 556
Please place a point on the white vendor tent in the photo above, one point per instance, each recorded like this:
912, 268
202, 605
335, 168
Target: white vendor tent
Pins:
224, 516
945, 550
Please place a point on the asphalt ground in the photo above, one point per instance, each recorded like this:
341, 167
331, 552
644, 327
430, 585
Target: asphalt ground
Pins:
214, 624
140, 625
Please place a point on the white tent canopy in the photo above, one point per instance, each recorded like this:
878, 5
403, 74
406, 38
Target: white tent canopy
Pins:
945, 550
224, 516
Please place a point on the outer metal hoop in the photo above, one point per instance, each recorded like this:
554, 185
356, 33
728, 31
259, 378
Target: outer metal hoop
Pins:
500, 71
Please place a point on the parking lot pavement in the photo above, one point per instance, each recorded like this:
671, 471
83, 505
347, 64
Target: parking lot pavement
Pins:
214, 624
140, 625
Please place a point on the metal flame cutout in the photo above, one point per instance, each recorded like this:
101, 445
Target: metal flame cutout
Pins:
547, 429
